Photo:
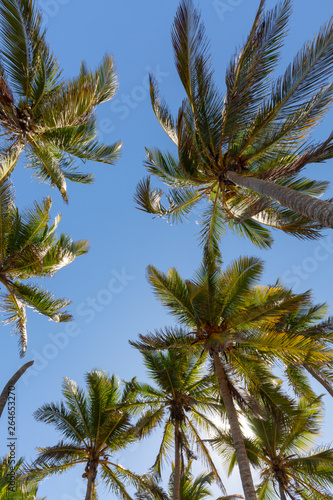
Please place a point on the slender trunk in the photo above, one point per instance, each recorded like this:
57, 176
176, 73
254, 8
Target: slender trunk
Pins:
315, 209
282, 493
319, 378
236, 433
176, 480
12, 381
91, 479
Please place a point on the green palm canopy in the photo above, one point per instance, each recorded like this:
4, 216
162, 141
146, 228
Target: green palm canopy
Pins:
95, 426
290, 469
309, 321
52, 119
12, 485
191, 488
183, 402
239, 323
242, 151
30, 248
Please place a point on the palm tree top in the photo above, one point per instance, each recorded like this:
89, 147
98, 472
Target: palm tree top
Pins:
95, 426
53, 119
283, 452
228, 310
183, 401
191, 487
258, 130
29, 249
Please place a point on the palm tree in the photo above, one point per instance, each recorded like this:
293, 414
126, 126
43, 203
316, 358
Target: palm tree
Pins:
191, 488
29, 248
234, 321
12, 486
96, 426
281, 450
53, 119
242, 152
182, 399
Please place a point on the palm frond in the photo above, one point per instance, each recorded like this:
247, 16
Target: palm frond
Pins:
42, 301
21, 34
104, 79
15, 313
247, 78
162, 111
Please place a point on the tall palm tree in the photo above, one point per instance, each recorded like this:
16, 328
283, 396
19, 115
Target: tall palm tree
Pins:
51, 118
234, 319
182, 398
29, 248
96, 427
191, 488
242, 151
289, 468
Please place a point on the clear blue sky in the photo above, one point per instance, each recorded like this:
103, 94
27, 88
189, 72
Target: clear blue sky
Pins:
111, 300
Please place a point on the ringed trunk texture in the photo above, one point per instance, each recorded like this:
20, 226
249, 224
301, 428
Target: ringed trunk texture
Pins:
237, 437
176, 483
317, 210
319, 378
12, 381
91, 479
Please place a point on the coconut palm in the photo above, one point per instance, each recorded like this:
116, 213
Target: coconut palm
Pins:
96, 427
191, 488
233, 319
51, 118
243, 152
289, 468
12, 486
29, 248
183, 401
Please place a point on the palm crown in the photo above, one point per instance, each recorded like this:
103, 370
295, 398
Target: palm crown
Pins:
29, 248
96, 426
282, 451
238, 322
53, 119
242, 152
191, 488
183, 401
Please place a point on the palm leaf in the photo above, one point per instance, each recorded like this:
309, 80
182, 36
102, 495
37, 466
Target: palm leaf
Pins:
20, 30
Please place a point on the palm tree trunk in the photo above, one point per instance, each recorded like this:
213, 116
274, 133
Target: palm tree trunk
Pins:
91, 479
237, 437
317, 376
12, 381
176, 480
282, 493
315, 209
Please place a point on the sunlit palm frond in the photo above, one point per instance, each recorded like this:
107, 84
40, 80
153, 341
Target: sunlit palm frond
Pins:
172, 290
162, 111
104, 79
247, 78
15, 313
21, 31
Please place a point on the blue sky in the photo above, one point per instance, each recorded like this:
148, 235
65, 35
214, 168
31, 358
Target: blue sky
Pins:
111, 299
